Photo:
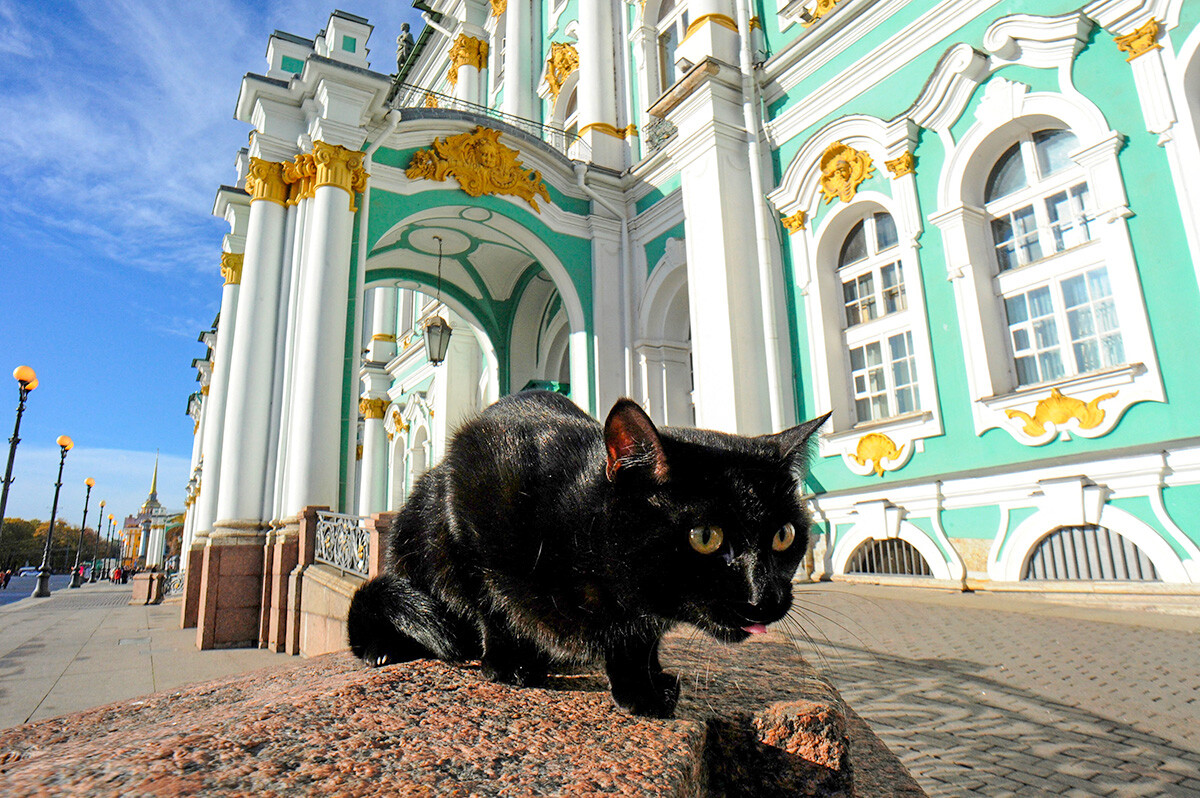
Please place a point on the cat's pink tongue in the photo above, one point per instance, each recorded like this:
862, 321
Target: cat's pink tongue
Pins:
755, 629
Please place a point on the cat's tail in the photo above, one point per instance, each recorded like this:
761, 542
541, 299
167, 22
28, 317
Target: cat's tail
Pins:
390, 620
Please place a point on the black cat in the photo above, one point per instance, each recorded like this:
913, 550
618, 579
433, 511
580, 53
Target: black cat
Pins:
544, 537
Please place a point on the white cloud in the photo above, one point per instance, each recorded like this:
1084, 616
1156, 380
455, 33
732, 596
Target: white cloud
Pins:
122, 481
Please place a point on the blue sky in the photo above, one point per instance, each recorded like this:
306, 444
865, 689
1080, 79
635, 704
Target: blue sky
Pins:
117, 119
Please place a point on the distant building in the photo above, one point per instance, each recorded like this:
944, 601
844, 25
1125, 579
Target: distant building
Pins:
969, 234
143, 536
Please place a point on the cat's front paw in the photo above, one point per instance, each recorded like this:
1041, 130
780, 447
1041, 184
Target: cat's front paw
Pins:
521, 674
655, 699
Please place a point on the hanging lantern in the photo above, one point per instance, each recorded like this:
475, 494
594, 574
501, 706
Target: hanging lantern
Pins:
437, 329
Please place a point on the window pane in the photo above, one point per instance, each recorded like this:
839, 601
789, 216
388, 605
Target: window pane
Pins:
1045, 333
1087, 355
1034, 336
874, 355
854, 248
1018, 311
1025, 227
1094, 327
857, 361
893, 288
1027, 372
1052, 147
1081, 323
1051, 364
885, 231
1008, 175
1075, 291
866, 296
1039, 302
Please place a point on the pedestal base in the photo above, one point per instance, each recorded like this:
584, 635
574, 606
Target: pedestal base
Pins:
191, 588
230, 595
147, 588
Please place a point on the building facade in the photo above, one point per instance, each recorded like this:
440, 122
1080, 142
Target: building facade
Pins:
962, 227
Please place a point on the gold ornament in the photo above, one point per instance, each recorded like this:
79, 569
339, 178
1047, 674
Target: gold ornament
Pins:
204, 390
795, 222
823, 9
610, 130
264, 181
372, 408
467, 51
301, 175
430, 100
563, 60
875, 447
904, 165
231, 267
481, 164
499, 7
390, 339
1058, 409
340, 167
1141, 41
718, 19
843, 170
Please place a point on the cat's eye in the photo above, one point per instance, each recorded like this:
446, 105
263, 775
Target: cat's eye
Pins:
783, 538
706, 539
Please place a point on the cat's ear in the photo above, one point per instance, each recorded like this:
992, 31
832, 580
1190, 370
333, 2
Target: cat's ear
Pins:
632, 442
794, 443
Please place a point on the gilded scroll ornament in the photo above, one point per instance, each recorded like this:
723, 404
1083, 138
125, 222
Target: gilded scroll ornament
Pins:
1141, 41
717, 19
610, 130
904, 165
499, 7
372, 408
823, 9
563, 60
875, 448
231, 267
430, 100
467, 51
795, 223
1058, 409
843, 170
301, 175
341, 167
481, 165
264, 181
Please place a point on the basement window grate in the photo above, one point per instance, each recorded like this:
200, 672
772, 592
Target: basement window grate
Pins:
893, 557
1088, 552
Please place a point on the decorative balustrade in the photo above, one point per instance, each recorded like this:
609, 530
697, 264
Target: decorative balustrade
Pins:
405, 95
173, 586
343, 542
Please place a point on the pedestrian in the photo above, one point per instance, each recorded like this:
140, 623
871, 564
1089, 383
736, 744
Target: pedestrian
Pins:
4, 579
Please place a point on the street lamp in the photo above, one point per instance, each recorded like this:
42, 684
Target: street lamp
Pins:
99, 529
437, 330
79, 546
108, 548
42, 589
27, 379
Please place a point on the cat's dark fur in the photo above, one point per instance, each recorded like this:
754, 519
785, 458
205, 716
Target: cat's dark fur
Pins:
543, 536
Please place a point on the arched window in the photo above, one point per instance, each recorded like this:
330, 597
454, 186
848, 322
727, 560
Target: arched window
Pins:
672, 27
1061, 315
878, 334
571, 115
499, 29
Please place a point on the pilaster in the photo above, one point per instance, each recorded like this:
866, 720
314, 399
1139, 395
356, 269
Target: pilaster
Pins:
597, 92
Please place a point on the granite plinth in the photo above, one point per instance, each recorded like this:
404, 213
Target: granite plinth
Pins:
753, 720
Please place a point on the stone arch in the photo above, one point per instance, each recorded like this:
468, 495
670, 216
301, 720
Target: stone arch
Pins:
663, 345
849, 542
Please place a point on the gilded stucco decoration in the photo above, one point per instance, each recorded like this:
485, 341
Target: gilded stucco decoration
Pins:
822, 9
610, 130
843, 170
372, 408
301, 175
358, 450
717, 19
481, 165
231, 267
1141, 41
906, 164
467, 51
386, 338
341, 167
1058, 409
264, 181
874, 448
795, 223
430, 100
499, 7
563, 60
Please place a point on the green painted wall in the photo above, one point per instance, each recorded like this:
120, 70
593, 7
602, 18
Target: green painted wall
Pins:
656, 248
1183, 506
659, 193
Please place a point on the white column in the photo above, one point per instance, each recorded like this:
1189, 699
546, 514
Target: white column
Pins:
372, 497
189, 521
713, 32
468, 59
597, 85
205, 507
158, 541
383, 325
244, 439
518, 66
314, 425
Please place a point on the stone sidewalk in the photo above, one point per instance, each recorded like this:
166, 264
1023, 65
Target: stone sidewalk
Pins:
87, 647
1008, 695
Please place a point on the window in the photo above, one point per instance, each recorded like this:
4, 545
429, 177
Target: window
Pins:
883, 371
672, 27
498, 50
1058, 300
349, 44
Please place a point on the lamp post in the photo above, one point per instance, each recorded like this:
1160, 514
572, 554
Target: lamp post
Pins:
79, 546
27, 379
99, 529
108, 548
42, 589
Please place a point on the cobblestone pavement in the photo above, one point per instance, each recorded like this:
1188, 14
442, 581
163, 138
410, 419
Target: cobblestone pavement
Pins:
997, 695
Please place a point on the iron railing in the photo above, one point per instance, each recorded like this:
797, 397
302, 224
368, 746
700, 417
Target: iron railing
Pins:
343, 542
406, 95
1089, 552
891, 557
